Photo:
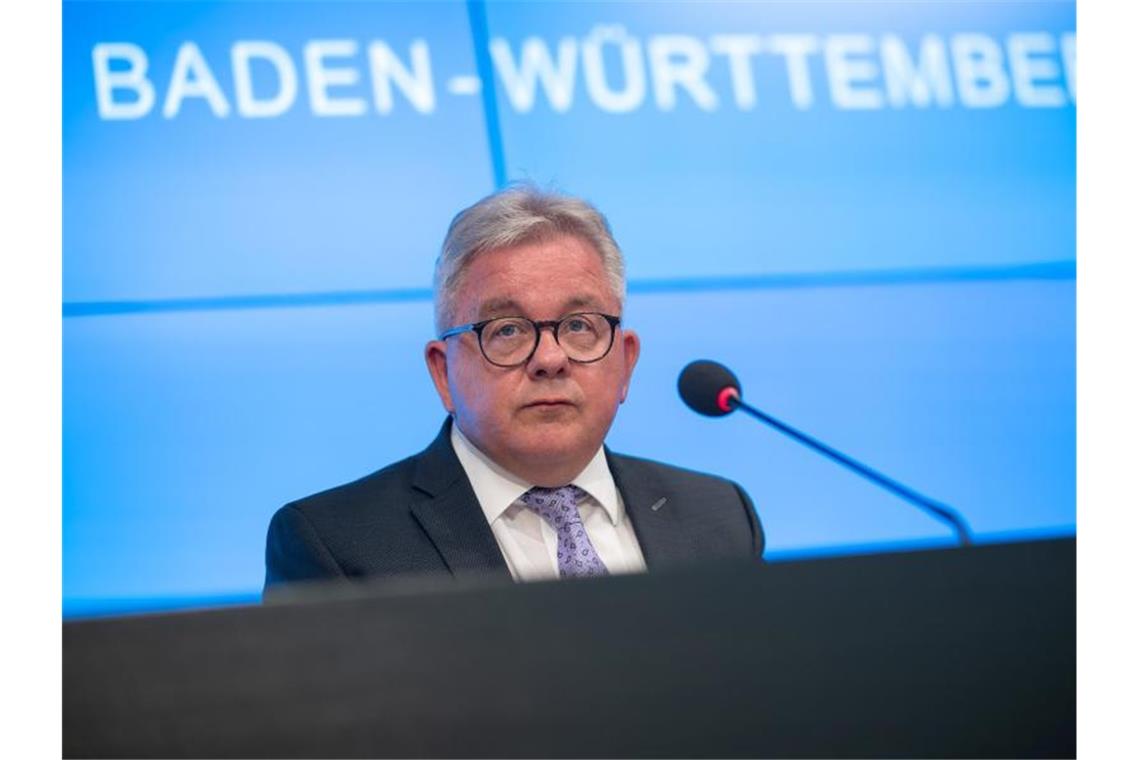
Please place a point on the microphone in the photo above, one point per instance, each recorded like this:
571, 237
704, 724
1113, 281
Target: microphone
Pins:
711, 389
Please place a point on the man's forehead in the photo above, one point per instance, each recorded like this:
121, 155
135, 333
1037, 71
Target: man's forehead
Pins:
497, 305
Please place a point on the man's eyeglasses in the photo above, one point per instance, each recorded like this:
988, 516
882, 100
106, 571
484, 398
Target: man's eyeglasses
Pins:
511, 341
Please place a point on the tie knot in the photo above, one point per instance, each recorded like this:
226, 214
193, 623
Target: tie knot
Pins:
558, 506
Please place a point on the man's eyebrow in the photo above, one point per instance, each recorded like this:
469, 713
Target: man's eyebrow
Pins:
580, 302
497, 307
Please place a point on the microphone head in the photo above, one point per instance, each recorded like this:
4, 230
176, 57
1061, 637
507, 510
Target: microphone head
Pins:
708, 388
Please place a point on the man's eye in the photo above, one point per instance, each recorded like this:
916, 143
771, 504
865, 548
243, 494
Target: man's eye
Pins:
577, 325
507, 330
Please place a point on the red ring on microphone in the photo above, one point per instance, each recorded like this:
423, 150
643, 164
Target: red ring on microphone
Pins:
723, 397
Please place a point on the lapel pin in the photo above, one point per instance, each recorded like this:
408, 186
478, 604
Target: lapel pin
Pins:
660, 503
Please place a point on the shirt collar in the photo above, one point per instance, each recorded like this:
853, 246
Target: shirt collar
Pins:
597, 480
497, 489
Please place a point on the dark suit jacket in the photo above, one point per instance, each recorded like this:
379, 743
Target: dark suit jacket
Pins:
420, 516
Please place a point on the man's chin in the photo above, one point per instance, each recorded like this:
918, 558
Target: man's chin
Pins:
549, 437
549, 441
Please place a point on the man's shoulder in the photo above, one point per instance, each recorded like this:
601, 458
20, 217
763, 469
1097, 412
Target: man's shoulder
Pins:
360, 493
389, 487
717, 514
366, 527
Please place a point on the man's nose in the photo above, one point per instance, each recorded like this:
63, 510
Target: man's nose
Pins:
549, 359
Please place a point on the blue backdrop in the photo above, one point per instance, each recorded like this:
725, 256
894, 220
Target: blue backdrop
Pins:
866, 208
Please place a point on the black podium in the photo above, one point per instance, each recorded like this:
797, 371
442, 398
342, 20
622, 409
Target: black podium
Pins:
948, 653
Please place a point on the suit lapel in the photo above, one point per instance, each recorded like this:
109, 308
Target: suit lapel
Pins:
664, 541
449, 512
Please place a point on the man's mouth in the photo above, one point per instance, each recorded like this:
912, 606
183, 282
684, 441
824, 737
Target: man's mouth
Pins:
546, 403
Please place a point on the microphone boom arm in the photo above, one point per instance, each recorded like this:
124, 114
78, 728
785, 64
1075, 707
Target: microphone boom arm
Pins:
939, 511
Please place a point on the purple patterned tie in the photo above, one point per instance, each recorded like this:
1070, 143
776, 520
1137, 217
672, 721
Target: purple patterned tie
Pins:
559, 507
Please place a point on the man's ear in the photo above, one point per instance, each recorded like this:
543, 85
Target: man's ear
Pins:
435, 354
631, 348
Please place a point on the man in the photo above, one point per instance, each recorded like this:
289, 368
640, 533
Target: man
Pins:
531, 362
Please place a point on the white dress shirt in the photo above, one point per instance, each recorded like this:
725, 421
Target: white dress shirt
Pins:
528, 543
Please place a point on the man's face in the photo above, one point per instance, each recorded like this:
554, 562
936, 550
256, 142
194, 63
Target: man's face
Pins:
544, 420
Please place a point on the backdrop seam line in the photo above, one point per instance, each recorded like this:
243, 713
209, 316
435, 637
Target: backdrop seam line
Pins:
1041, 271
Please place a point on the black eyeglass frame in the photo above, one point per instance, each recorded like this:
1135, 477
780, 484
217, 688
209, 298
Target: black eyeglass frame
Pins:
553, 324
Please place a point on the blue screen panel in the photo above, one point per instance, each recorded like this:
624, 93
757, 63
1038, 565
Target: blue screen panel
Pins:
207, 201
760, 138
963, 391
185, 432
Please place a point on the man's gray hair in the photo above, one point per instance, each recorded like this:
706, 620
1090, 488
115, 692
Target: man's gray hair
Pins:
521, 214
